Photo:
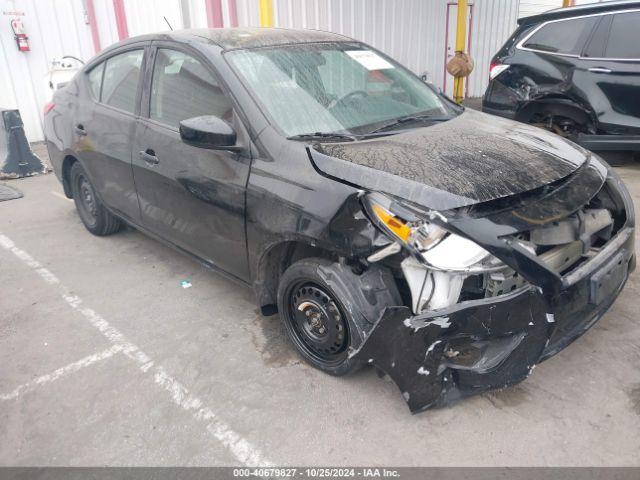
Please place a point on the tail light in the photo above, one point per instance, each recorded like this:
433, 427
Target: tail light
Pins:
496, 69
48, 107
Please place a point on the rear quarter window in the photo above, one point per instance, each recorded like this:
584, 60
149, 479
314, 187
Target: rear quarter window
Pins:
95, 80
563, 36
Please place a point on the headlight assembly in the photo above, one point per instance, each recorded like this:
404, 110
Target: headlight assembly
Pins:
431, 244
402, 225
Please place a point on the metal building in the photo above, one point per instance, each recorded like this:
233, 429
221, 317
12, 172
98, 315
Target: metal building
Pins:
418, 33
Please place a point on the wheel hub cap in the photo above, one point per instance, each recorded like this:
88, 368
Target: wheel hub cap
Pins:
87, 196
318, 321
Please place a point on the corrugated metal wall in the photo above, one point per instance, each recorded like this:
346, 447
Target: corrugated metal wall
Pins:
493, 22
144, 16
534, 7
54, 29
106, 20
248, 13
411, 31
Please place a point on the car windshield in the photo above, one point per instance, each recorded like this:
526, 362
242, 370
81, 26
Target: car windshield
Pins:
335, 88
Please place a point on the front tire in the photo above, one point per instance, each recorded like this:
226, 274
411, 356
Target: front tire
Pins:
94, 215
315, 317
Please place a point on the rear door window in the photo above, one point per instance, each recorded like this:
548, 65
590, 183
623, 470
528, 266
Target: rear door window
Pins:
624, 36
182, 87
595, 46
564, 36
121, 77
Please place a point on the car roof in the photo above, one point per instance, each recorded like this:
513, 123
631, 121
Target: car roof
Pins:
587, 9
244, 37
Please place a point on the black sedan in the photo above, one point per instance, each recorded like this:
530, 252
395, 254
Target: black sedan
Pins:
451, 249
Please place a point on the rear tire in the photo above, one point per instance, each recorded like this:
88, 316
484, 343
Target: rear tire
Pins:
565, 120
315, 317
94, 215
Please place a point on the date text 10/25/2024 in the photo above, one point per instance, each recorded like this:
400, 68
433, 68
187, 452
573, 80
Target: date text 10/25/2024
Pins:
317, 472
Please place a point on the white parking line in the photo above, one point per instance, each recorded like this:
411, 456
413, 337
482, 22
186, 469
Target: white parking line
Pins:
62, 371
46, 275
239, 447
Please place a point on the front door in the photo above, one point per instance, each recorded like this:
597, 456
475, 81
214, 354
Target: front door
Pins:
192, 197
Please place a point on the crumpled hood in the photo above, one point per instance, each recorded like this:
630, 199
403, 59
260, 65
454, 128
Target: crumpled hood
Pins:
470, 159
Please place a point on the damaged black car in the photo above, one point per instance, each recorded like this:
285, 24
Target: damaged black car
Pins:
388, 226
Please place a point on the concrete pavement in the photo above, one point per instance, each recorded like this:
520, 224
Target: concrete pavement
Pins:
106, 360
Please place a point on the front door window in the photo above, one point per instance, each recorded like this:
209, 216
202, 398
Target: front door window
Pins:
182, 88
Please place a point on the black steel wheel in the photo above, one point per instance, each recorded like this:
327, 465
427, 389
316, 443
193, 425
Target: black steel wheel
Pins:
94, 215
318, 322
87, 207
315, 317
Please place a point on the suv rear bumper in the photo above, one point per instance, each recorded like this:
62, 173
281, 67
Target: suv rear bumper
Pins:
479, 345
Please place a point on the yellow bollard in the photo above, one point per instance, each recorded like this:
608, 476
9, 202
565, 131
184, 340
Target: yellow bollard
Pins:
461, 43
266, 13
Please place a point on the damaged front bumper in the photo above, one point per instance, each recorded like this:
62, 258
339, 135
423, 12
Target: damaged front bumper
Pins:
478, 345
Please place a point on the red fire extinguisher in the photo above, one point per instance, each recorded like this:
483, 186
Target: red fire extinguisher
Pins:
18, 32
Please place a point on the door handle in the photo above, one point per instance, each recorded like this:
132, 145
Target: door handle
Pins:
599, 70
80, 130
149, 156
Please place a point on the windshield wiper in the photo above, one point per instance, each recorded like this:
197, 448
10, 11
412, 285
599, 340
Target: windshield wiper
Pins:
307, 136
408, 119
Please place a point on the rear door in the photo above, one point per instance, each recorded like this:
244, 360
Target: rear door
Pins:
192, 197
554, 65
610, 72
104, 127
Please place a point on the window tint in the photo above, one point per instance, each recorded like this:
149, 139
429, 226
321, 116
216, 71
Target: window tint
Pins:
623, 36
183, 88
95, 80
595, 47
121, 80
566, 36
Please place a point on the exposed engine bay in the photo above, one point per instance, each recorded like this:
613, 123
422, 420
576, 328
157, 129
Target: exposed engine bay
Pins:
457, 269
480, 314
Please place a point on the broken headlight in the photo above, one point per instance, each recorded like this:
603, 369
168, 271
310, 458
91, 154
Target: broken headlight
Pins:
431, 244
401, 224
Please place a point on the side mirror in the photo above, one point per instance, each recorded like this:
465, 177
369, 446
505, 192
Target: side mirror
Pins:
209, 132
